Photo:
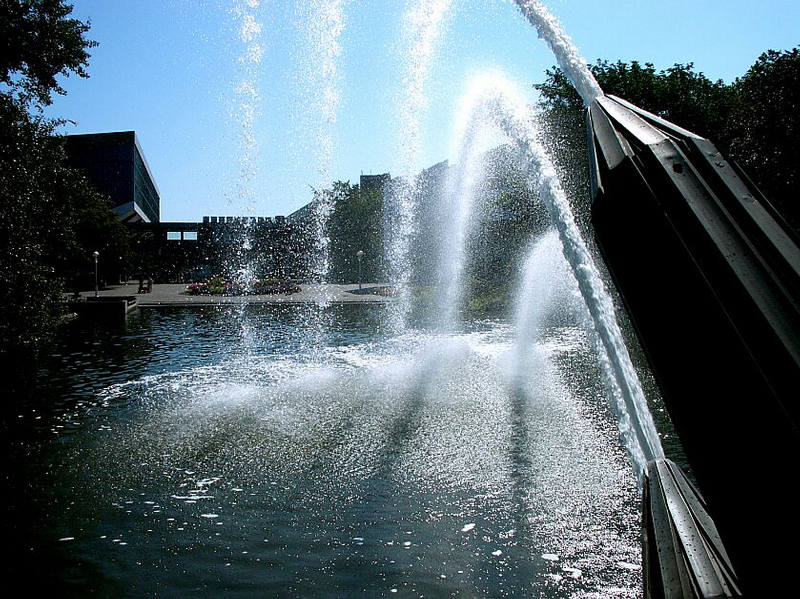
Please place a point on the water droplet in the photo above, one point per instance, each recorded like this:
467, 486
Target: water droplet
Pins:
551, 557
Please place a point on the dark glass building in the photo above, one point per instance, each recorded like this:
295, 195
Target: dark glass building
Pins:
115, 163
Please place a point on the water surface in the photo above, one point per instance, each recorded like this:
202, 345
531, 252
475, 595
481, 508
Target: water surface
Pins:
240, 452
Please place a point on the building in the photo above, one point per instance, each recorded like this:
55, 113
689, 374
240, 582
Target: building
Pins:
115, 163
177, 251
264, 247
220, 245
377, 182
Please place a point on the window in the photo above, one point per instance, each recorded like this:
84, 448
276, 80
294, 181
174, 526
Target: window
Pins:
173, 235
190, 235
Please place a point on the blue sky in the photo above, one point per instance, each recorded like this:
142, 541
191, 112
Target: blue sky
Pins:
169, 69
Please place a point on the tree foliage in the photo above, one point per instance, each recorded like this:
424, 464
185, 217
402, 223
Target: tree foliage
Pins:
754, 120
509, 214
29, 235
505, 215
39, 43
51, 219
767, 128
678, 94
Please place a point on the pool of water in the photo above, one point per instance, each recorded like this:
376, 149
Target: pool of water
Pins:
241, 452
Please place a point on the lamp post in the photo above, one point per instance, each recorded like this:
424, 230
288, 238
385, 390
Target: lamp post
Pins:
96, 255
359, 255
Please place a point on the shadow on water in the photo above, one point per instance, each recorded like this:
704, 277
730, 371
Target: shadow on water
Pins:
377, 504
384, 502
521, 478
411, 507
406, 424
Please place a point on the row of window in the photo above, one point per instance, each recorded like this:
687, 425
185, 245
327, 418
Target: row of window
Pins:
181, 235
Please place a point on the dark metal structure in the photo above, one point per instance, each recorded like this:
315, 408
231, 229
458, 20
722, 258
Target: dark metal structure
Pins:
710, 276
683, 553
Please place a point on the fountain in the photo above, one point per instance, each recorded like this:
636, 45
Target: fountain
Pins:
322, 24
492, 97
374, 456
244, 111
422, 26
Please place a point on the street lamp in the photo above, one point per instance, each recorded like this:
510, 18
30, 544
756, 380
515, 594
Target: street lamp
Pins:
96, 255
359, 255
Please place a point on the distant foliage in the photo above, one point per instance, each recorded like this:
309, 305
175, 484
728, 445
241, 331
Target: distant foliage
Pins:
754, 120
509, 215
505, 215
767, 126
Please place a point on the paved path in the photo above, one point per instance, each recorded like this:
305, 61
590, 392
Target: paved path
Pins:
170, 294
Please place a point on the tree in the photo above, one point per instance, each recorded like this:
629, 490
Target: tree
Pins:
755, 120
678, 94
767, 125
30, 237
39, 43
356, 223
94, 227
51, 220
509, 214
50, 217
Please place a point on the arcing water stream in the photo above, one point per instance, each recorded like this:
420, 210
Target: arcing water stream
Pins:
567, 55
493, 98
